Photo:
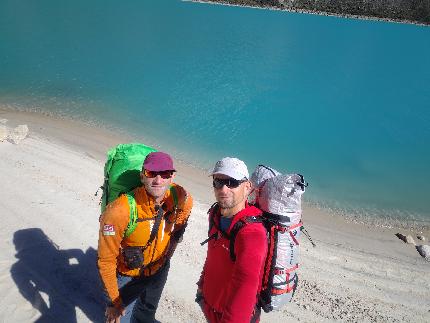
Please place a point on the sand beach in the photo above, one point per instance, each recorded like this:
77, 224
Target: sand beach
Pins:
48, 236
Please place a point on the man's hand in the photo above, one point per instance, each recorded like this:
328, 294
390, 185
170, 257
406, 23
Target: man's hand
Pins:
113, 314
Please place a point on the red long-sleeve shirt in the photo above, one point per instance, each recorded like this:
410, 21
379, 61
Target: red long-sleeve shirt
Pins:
230, 288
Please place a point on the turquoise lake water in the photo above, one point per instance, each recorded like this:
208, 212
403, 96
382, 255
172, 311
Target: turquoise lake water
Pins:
344, 102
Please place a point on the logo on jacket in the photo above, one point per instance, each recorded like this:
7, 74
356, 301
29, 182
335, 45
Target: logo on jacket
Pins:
108, 230
225, 247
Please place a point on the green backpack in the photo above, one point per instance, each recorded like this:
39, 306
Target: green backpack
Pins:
122, 175
122, 170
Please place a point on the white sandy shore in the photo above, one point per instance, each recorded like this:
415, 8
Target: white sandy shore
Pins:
48, 238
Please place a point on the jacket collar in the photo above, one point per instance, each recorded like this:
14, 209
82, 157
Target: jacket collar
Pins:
249, 210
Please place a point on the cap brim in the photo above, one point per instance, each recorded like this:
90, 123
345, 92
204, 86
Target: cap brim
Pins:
158, 169
231, 174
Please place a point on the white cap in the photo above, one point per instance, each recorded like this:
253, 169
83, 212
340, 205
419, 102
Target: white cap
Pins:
231, 167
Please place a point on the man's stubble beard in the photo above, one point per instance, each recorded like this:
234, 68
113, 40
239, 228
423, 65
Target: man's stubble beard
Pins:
156, 193
226, 205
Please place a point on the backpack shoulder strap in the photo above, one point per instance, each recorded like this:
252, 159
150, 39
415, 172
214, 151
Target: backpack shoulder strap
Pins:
132, 223
133, 209
174, 196
235, 230
156, 226
211, 213
177, 233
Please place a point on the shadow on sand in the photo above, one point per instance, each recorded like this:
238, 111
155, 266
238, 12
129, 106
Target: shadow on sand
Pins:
57, 282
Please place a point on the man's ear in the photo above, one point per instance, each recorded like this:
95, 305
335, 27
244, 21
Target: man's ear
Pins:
248, 187
141, 176
171, 178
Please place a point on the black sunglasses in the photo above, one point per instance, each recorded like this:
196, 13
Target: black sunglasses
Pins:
229, 182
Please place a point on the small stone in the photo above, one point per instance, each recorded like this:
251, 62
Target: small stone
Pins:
410, 240
18, 134
422, 238
401, 237
405, 239
424, 251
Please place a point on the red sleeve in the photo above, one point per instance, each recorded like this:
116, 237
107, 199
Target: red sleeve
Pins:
250, 249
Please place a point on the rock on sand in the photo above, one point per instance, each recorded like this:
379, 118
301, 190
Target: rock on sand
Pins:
406, 239
424, 251
18, 134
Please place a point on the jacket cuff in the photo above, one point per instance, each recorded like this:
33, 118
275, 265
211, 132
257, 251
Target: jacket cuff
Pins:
117, 303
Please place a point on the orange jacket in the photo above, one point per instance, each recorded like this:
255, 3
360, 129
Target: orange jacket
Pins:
113, 223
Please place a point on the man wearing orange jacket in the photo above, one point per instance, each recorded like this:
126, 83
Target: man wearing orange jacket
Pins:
134, 267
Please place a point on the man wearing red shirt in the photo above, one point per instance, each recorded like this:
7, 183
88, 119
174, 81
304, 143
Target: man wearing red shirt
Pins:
228, 289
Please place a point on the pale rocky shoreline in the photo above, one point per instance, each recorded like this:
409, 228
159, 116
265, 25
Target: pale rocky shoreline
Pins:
365, 10
356, 273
